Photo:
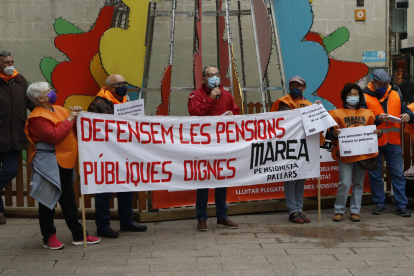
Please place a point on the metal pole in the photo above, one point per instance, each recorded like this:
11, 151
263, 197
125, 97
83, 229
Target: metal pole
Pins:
241, 44
148, 43
229, 45
279, 50
259, 62
174, 6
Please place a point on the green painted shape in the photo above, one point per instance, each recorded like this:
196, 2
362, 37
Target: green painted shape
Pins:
62, 26
47, 65
336, 39
24, 155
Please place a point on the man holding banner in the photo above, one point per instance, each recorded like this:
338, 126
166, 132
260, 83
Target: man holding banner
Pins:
212, 100
114, 93
389, 112
294, 189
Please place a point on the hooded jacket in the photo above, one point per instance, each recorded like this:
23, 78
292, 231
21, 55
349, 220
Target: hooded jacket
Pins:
407, 91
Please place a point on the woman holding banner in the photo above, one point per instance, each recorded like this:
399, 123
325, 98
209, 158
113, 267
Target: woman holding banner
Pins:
350, 172
294, 189
53, 154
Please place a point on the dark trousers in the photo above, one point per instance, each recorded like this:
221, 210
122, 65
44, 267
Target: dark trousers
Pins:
8, 171
125, 211
67, 202
220, 200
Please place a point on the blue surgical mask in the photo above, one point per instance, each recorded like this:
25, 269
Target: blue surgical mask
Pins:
352, 100
121, 91
381, 90
295, 92
52, 97
213, 82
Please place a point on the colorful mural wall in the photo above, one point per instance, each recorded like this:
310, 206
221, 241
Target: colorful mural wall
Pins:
103, 50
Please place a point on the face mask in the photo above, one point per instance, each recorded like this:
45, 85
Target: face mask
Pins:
121, 91
9, 70
381, 90
213, 82
295, 92
352, 100
52, 97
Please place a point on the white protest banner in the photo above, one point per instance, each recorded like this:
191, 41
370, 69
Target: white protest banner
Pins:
357, 140
315, 119
144, 153
130, 108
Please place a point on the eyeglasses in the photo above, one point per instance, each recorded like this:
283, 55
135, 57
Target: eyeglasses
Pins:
212, 75
9, 62
119, 84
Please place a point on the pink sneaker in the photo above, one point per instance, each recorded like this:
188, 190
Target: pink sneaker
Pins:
53, 243
89, 240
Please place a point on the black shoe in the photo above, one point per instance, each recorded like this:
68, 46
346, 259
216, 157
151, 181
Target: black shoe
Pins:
403, 212
379, 210
108, 233
134, 227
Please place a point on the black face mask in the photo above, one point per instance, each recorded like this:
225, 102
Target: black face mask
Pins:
121, 91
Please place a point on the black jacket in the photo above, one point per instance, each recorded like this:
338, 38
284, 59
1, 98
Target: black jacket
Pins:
13, 114
407, 91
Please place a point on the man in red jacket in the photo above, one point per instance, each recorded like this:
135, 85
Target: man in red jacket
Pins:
212, 100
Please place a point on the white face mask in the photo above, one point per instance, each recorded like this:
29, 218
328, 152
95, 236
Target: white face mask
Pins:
9, 70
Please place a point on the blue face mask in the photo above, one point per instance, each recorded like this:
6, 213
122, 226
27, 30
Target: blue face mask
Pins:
352, 100
52, 97
121, 91
213, 82
295, 92
381, 90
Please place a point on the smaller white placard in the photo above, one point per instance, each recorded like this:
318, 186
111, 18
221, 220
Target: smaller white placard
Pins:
394, 119
315, 119
357, 140
130, 108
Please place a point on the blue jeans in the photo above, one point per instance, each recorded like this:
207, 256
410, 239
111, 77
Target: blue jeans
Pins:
294, 195
350, 174
125, 211
220, 200
8, 171
392, 155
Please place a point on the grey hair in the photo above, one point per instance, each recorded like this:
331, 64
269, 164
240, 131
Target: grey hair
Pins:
36, 90
4, 54
205, 69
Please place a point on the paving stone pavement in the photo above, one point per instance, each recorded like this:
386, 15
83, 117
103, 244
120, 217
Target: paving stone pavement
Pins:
264, 244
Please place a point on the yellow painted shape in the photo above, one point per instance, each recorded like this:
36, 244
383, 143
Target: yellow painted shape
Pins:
237, 92
123, 51
80, 100
97, 71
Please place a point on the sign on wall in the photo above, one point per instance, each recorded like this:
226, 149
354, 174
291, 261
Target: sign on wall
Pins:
374, 56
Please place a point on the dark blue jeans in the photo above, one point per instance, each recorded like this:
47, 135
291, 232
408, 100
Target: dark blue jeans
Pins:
220, 198
125, 211
8, 171
392, 155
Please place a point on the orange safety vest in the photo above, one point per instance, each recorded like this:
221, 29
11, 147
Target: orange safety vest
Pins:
409, 128
295, 104
67, 150
346, 118
391, 132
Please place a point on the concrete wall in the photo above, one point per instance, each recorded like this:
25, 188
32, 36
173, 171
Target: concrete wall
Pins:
26, 30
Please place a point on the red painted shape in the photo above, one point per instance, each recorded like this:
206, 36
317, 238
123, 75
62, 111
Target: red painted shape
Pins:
339, 73
224, 50
198, 54
163, 108
264, 33
74, 76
